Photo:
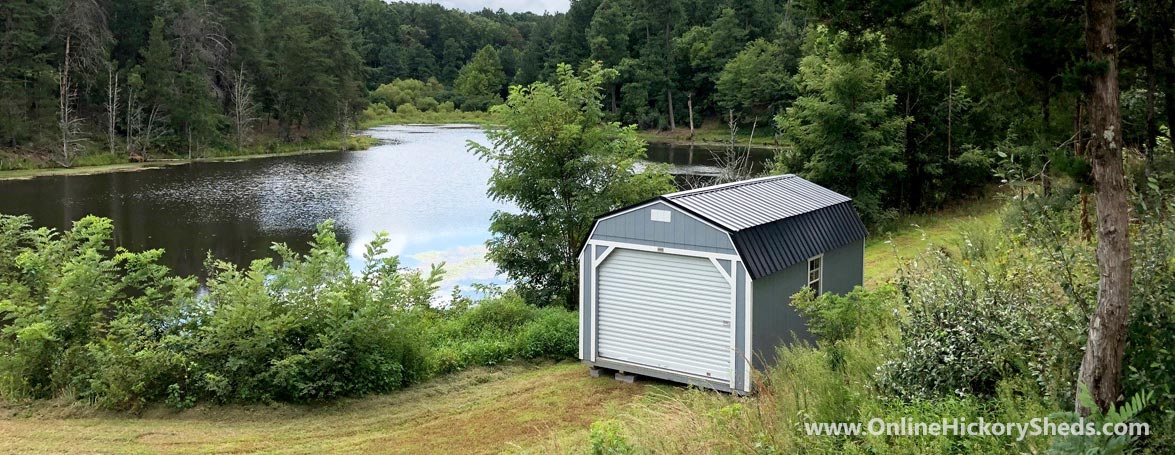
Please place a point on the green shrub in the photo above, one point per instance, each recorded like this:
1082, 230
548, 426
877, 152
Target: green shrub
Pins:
606, 439
496, 329
1099, 443
310, 329
863, 312
56, 294
80, 320
426, 104
406, 91
973, 324
553, 333
446, 107
375, 111
407, 109
1149, 364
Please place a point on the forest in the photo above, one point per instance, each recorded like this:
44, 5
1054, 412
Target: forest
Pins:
951, 89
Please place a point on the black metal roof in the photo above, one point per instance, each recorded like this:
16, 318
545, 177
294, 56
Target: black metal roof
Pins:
775, 222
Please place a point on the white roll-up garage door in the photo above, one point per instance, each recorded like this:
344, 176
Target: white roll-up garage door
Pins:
665, 311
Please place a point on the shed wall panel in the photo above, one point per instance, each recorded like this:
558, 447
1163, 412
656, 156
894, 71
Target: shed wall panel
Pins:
775, 321
682, 232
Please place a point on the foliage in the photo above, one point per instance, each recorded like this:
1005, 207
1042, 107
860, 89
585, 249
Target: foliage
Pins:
57, 291
495, 330
1150, 360
975, 78
480, 81
862, 312
379, 114
982, 318
408, 91
114, 327
605, 439
309, 329
561, 164
756, 80
1101, 444
844, 130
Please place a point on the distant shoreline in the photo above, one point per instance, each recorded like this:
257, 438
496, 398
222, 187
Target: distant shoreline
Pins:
24, 174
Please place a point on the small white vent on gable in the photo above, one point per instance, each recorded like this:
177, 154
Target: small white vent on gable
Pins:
663, 216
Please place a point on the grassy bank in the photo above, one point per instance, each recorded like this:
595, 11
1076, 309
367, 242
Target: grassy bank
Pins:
911, 235
18, 166
372, 118
714, 132
536, 408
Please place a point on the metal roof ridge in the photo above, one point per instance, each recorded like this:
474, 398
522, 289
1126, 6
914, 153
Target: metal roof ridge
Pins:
724, 186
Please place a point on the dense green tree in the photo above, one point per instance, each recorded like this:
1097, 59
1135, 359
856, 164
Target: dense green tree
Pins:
481, 81
608, 39
844, 130
26, 72
316, 70
756, 81
452, 59
561, 164
706, 49
407, 91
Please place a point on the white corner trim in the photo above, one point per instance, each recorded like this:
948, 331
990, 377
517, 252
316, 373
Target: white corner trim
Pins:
748, 327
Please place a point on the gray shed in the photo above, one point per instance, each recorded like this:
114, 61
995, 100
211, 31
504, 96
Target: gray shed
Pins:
694, 286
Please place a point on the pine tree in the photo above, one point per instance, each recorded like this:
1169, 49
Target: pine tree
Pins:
481, 80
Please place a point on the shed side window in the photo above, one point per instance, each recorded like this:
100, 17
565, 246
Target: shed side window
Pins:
816, 274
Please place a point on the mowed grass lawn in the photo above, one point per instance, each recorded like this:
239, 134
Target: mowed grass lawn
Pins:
511, 408
485, 410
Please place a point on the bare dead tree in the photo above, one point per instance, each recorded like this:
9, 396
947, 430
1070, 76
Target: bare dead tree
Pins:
733, 162
134, 116
112, 93
244, 108
81, 26
345, 123
68, 122
151, 128
201, 42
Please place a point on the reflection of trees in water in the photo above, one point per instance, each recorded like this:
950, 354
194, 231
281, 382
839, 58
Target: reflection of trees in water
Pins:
191, 210
705, 166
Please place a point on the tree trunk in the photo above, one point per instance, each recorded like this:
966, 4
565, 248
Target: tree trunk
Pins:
615, 94
669, 95
1152, 125
112, 92
1101, 368
669, 75
689, 104
65, 107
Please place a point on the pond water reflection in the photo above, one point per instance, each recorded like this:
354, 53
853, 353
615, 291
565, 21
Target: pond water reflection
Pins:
421, 186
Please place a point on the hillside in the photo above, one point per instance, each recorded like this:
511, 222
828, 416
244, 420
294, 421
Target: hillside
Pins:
515, 407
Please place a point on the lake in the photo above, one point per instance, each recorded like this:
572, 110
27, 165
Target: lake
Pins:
420, 185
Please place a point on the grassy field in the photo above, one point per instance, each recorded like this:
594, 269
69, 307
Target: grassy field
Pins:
514, 408
910, 236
